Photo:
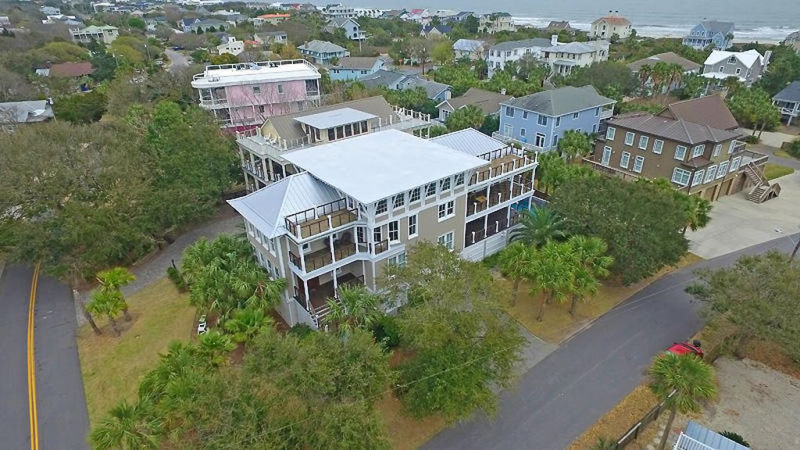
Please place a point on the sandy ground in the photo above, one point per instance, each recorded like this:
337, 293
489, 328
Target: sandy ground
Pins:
759, 403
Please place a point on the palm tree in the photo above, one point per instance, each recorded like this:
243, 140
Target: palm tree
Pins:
107, 303
539, 226
574, 144
593, 264
699, 213
551, 272
246, 324
514, 262
112, 280
127, 426
215, 346
682, 382
645, 72
357, 308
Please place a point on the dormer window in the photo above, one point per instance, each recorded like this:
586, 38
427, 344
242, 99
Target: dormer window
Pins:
732, 60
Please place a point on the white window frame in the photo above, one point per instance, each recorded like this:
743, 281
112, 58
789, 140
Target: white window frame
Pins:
522, 132
558, 121
414, 195
397, 260
509, 111
377, 234
447, 240
381, 207
575, 115
711, 172
606, 150
428, 191
625, 160
630, 138
735, 162
717, 149
413, 226
459, 179
444, 184
682, 150
722, 170
698, 150
677, 176
446, 210
638, 161
658, 146
398, 201
610, 133
698, 177
643, 141
541, 118
394, 231
508, 130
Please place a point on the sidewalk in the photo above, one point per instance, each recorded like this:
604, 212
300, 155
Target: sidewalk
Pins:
154, 267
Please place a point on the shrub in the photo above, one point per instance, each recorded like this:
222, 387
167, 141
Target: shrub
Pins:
177, 278
301, 330
386, 332
735, 437
752, 139
794, 148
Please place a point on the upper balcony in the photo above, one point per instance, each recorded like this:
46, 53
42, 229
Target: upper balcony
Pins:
525, 145
320, 219
502, 162
606, 113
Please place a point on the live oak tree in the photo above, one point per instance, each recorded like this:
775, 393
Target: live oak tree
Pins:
759, 295
463, 345
753, 108
641, 223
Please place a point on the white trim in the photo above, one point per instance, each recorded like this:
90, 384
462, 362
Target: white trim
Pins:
632, 136
660, 144
625, 160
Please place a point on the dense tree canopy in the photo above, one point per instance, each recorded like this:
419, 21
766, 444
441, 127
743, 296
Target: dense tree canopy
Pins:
611, 78
641, 223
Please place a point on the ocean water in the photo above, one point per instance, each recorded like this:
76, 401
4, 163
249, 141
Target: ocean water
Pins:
756, 20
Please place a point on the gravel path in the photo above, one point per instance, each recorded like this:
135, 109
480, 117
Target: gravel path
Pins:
154, 267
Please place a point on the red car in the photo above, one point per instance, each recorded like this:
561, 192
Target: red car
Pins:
682, 348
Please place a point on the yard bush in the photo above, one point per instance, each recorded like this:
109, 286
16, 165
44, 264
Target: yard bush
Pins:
386, 332
794, 148
735, 437
176, 277
752, 139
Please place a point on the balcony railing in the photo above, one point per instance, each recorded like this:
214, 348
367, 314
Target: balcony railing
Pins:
501, 166
606, 113
380, 247
610, 170
509, 140
323, 258
320, 219
497, 196
492, 228
738, 146
209, 72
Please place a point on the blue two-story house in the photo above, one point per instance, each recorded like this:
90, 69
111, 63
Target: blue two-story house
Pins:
354, 67
710, 32
539, 120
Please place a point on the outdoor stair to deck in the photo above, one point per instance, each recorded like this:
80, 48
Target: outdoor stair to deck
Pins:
763, 190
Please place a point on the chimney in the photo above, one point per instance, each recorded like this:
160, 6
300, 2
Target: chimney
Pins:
554, 40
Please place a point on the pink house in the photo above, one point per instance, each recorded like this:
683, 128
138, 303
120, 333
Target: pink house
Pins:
244, 95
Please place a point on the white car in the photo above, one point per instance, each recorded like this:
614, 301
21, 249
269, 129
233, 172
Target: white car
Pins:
202, 326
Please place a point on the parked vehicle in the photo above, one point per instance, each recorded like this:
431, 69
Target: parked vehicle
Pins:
202, 326
682, 348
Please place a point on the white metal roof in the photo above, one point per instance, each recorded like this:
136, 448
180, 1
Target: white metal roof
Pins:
330, 119
747, 58
252, 73
469, 141
378, 165
267, 207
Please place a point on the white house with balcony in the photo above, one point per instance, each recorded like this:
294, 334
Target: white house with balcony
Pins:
244, 95
358, 204
788, 101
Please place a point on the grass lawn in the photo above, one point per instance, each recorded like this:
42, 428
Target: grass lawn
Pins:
772, 171
783, 154
405, 432
558, 324
113, 366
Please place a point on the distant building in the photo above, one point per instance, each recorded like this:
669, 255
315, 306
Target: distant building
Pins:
487, 101
562, 58
206, 25
458, 17
354, 67
71, 70
469, 48
434, 31
788, 101
372, 13
338, 10
556, 26
322, 52
232, 46
697, 436
352, 30
608, 26
32, 111
793, 40
713, 33
398, 81
496, 22
245, 94
270, 37
393, 14
747, 67
272, 19
689, 67
539, 120
105, 34
500, 54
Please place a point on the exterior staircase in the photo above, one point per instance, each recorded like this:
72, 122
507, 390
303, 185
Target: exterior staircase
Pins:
762, 189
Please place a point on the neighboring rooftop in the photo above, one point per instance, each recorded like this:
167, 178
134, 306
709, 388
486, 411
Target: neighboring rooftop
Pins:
357, 62
266, 208
709, 110
317, 46
524, 43
613, 19
432, 88
717, 26
335, 118
71, 69
250, 73
669, 58
467, 45
675, 130
747, 58
487, 101
387, 162
381, 77
702, 437
557, 102
576, 47
25, 111
790, 93
470, 141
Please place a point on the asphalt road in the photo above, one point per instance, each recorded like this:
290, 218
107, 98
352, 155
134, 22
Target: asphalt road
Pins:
574, 386
62, 416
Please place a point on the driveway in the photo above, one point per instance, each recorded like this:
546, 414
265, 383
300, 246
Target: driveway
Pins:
737, 223
767, 150
574, 386
772, 138
177, 60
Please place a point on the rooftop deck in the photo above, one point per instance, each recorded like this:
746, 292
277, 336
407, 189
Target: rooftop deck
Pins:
255, 72
501, 162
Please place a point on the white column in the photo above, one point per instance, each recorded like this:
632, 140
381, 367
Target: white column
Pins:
308, 299
335, 284
302, 257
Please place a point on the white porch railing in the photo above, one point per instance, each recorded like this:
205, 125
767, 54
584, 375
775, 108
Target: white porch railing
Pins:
686, 443
526, 145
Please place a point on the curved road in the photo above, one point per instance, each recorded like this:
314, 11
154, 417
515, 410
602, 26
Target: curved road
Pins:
574, 386
63, 421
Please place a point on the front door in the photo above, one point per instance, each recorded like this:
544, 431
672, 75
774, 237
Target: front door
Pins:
606, 156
